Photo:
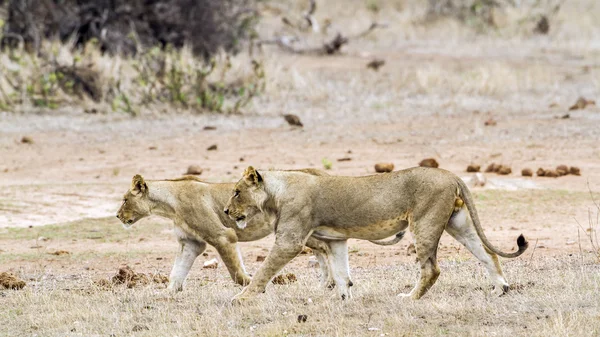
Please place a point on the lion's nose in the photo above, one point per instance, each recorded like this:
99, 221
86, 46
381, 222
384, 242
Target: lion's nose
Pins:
226, 210
118, 216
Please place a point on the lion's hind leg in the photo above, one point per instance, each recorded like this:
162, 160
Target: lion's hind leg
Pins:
462, 229
427, 237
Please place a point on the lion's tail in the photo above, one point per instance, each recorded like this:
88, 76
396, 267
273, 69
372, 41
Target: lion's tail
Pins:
465, 194
393, 241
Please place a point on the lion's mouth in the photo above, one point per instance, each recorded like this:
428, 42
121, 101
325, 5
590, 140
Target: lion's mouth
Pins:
240, 221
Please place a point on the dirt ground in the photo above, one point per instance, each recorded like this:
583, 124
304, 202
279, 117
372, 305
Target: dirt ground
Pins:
431, 99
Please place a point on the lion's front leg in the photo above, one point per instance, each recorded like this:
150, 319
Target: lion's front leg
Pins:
288, 243
232, 259
322, 252
188, 252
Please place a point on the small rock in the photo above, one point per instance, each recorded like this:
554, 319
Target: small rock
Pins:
194, 170
375, 64
302, 318
152, 148
293, 120
504, 170
541, 172
575, 171
490, 122
210, 128
479, 179
284, 279
344, 159
562, 170
542, 26
526, 172
429, 162
212, 148
260, 258
473, 168
211, 264
27, 140
241, 159
384, 167
411, 249
43, 238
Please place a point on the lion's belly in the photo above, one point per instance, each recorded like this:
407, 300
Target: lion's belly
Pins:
372, 231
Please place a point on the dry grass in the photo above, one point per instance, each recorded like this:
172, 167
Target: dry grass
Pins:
551, 297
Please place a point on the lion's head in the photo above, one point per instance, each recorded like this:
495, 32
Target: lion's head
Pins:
247, 198
136, 204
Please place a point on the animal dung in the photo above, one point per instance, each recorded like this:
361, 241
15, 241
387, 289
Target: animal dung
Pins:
504, 170
211, 264
473, 168
490, 122
562, 170
194, 170
493, 167
285, 278
384, 167
575, 171
581, 103
10, 281
212, 148
541, 172
551, 174
429, 162
526, 172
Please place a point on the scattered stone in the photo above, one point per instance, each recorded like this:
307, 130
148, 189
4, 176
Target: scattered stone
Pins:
210, 128
375, 64
152, 148
490, 122
211, 264
565, 116
527, 172
284, 279
260, 258
212, 148
43, 239
302, 318
27, 140
429, 162
541, 172
411, 249
293, 120
194, 170
504, 170
551, 174
10, 281
241, 159
344, 159
575, 171
479, 179
60, 253
581, 103
473, 168
384, 167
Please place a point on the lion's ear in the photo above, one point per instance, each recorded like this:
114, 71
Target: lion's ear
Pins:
138, 185
252, 176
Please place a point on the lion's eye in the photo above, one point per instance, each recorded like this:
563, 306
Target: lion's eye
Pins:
236, 194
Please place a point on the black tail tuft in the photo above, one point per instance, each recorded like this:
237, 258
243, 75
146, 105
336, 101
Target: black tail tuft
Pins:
522, 243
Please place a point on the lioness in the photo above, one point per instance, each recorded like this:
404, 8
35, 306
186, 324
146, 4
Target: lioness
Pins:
334, 208
195, 207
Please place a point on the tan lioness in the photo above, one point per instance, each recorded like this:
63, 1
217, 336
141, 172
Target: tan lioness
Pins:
334, 208
196, 209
